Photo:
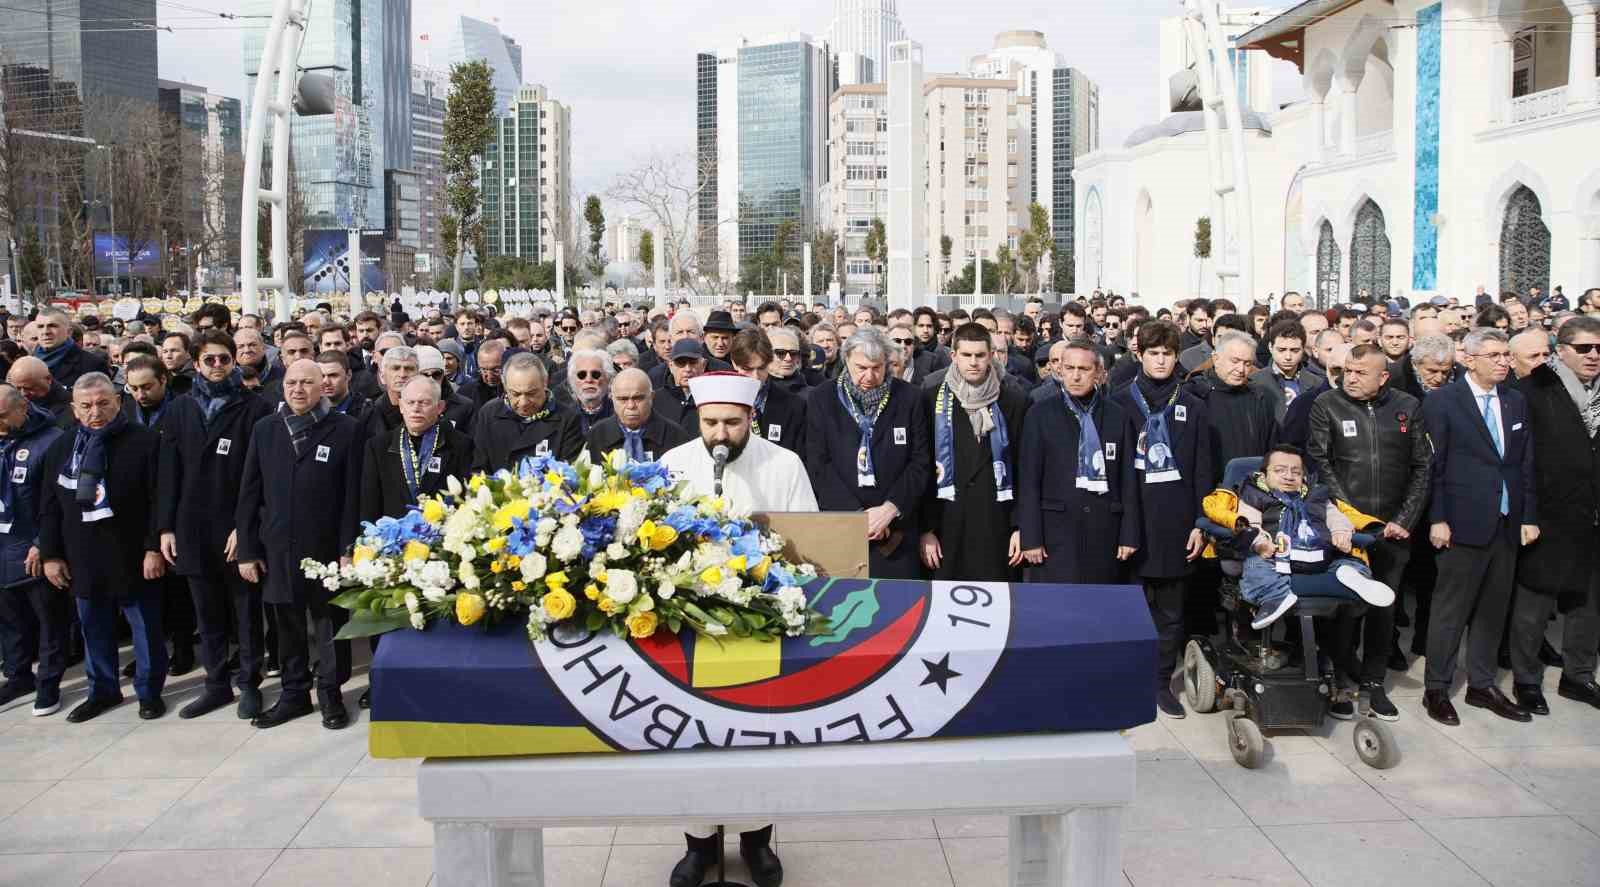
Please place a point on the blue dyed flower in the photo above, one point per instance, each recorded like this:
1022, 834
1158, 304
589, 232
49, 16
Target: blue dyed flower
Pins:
523, 538
747, 544
652, 476
598, 532
389, 535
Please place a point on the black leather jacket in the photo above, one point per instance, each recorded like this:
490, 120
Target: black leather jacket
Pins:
1373, 454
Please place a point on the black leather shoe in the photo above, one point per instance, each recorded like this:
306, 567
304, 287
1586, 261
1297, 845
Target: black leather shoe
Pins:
1497, 702
1550, 656
11, 691
703, 853
1588, 691
282, 712
91, 708
208, 702
249, 704
755, 848
1168, 703
150, 709
1505, 660
334, 715
366, 698
182, 661
1531, 698
272, 669
1397, 659
1437, 703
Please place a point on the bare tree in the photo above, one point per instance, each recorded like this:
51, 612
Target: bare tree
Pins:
664, 191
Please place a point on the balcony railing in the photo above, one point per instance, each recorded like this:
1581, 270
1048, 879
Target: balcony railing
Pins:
1538, 105
1375, 143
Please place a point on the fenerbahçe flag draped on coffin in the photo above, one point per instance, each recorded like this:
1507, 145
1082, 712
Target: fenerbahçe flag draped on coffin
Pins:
903, 660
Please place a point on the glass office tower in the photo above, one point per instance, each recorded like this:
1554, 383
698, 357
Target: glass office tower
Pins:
782, 100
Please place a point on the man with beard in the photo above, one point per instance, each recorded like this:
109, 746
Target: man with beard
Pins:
176, 356
469, 332
869, 448
925, 323
66, 360
1076, 502
636, 428
34, 618
780, 416
300, 498
685, 326
97, 539
977, 427
1196, 341
1173, 471
525, 422
589, 375
202, 468
757, 476
674, 401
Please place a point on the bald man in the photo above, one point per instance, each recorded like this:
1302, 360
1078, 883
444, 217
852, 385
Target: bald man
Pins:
66, 359
1530, 349
635, 427
32, 377
300, 498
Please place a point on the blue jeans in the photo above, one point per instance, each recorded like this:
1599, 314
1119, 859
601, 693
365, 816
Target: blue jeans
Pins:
1262, 586
99, 620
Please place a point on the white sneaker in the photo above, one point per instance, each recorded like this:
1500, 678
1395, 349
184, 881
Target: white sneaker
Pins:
1263, 620
46, 710
1368, 589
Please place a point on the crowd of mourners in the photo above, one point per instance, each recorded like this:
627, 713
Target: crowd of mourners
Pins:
161, 479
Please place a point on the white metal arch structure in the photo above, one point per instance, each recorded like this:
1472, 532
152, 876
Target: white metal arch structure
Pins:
1230, 182
280, 53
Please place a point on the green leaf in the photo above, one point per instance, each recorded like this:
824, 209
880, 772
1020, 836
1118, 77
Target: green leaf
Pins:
857, 610
595, 621
350, 600
365, 623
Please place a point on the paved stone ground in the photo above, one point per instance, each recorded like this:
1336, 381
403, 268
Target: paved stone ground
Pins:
215, 803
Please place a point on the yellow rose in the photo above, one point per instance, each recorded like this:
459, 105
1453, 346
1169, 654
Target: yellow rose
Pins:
496, 566
519, 585
469, 608
656, 537
711, 575
433, 511
607, 606
513, 562
415, 551
363, 553
759, 571
557, 579
607, 502
642, 625
559, 604
591, 591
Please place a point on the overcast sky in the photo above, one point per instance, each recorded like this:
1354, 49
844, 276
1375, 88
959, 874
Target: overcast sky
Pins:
627, 69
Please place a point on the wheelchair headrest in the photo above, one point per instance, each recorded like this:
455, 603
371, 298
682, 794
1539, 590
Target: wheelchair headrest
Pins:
1239, 470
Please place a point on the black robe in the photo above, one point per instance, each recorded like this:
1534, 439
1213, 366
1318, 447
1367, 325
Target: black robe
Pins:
974, 529
202, 470
902, 456
1079, 530
1169, 509
660, 435
383, 480
501, 439
292, 507
106, 556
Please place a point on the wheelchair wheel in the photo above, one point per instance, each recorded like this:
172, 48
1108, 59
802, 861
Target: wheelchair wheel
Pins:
1199, 679
1245, 741
1375, 744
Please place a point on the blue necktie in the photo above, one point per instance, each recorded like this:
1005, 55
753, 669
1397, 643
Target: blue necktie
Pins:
1499, 446
633, 444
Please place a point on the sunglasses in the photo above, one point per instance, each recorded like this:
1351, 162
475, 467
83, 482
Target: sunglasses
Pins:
785, 353
589, 375
434, 374
569, 329
1585, 348
217, 360
896, 341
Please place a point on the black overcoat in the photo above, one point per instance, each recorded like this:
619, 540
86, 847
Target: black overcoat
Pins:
106, 556
660, 435
1169, 509
974, 529
783, 419
1566, 461
383, 480
202, 469
501, 439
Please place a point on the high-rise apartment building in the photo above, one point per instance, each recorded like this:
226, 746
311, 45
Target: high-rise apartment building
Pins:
858, 177
430, 88
477, 40
204, 142
862, 31
527, 178
979, 169
1064, 123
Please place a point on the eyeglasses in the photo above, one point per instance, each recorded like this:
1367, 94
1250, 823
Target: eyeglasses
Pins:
435, 375
589, 375
897, 342
217, 360
1286, 471
785, 353
1584, 348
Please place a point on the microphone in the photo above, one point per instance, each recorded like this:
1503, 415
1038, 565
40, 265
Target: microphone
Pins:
719, 455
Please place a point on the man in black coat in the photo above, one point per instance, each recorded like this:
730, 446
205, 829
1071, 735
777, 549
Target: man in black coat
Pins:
97, 539
968, 529
34, 618
526, 422
65, 358
1561, 568
30, 376
780, 414
685, 326
416, 458
484, 385
459, 409
588, 387
1240, 416
673, 400
869, 448
202, 467
336, 385
1077, 506
787, 370
1484, 506
635, 428
301, 498
1173, 472
397, 367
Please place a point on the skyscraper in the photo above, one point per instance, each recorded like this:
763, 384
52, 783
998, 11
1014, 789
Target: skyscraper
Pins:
478, 40
527, 178
863, 29
429, 91
58, 62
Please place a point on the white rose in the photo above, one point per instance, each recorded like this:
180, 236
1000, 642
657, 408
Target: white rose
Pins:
666, 590
547, 526
533, 567
418, 622
621, 586
617, 551
568, 544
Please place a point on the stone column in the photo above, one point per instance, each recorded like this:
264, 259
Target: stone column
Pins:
1319, 130
1348, 112
1580, 69
1500, 82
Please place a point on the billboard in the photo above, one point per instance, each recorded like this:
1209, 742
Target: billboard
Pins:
327, 267
147, 263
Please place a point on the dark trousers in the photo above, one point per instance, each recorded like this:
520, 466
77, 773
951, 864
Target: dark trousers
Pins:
142, 609
295, 638
1580, 633
1422, 574
1471, 597
1201, 602
1166, 600
226, 604
1375, 628
34, 619
177, 612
